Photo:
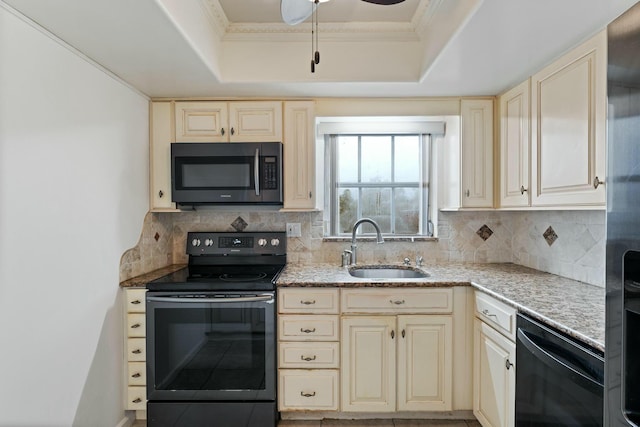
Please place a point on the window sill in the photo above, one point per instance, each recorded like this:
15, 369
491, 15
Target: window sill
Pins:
386, 239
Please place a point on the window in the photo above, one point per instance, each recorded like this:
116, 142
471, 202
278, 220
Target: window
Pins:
384, 177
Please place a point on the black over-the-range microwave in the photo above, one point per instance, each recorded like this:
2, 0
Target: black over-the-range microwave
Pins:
226, 173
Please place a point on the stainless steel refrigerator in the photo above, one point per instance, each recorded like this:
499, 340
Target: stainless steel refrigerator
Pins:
622, 341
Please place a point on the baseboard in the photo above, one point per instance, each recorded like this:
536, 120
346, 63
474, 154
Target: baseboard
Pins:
127, 420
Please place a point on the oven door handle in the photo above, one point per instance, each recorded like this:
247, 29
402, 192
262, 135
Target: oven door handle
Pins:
224, 300
256, 171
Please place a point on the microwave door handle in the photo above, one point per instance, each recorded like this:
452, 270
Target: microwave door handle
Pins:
256, 171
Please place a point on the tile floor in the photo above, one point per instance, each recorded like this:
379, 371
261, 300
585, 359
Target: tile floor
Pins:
367, 423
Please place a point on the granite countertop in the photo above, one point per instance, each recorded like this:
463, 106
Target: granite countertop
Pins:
573, 307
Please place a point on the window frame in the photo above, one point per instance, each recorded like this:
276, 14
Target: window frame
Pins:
424, 185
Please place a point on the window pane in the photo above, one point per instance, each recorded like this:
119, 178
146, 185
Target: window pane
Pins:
376, 204
407, 158
407, 210
376, 159
348, 159
347, 209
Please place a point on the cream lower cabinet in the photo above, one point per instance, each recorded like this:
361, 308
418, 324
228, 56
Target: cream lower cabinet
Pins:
308, 349
397, 362
494, 363
135, 347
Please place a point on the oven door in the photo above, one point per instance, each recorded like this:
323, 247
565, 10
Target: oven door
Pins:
211, 346
211, 173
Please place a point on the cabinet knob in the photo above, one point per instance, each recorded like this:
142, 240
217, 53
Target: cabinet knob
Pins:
136, 302
467, 193
403, 333
136, 375
222, 131
233, 131
597, 182
160, 193
397, 302
136, 326
522, 189
136, 400
393, 334
508, 364
136, 351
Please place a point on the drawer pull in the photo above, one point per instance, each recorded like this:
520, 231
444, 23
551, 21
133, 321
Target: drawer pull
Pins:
308, 331
308, 302
136, 375
137, 325
136, 400
303, 394
308, 358
508, 364
136, 351
136, 302
396, 302
488, 314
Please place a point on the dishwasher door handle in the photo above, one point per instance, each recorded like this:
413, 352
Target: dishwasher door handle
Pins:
553, 362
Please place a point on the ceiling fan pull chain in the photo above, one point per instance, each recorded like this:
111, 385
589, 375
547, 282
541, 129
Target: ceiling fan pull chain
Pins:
316, 56
313, 15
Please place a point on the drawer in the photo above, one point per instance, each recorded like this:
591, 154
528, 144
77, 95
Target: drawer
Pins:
308, 300
136, 398
308, 390
136, 350
309, 355
137, 373
496, 314
397, 300
308, 328
134, 300
136, 326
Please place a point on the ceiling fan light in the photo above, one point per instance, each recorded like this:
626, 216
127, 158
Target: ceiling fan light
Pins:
384, 2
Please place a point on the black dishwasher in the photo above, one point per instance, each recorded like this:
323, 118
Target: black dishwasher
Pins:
559, 381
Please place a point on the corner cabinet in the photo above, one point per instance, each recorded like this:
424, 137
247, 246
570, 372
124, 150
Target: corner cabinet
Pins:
568, 113
396, 361
494, 364
477, 153
515, 144
299, 155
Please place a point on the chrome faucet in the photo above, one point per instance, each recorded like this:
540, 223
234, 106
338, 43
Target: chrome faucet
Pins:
379, 238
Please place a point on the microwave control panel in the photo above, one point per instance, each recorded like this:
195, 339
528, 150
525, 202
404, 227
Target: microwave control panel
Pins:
270, 173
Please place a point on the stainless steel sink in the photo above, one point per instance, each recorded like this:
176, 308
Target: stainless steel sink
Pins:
387, 272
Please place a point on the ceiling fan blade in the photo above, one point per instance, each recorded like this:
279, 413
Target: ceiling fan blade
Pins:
384, 2
295, 11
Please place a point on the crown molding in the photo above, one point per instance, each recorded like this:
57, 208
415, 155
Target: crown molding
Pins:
216, 16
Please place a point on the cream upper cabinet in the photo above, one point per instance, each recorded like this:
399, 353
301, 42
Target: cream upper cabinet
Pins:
477, 153
568, 119
494, 362
514, 146
160, 139
241, 121
299, 155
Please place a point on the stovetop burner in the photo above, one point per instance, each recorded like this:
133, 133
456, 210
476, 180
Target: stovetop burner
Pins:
228, 262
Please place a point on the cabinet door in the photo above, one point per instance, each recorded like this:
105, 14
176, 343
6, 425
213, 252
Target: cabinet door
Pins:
299, 155
477, 153
514, 146
161, 136
494, 377
368, 364
568, 109
201, 121
425, 369
259, 121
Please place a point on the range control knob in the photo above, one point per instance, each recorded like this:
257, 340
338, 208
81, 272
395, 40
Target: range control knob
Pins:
275, 242
262, 242
195, 242
208, 242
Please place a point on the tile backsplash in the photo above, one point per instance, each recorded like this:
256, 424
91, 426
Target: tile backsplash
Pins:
479, 236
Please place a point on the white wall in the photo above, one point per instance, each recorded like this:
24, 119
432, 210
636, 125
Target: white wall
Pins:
73, 194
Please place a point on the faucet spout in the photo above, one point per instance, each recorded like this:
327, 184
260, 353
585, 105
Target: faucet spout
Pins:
379, 238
